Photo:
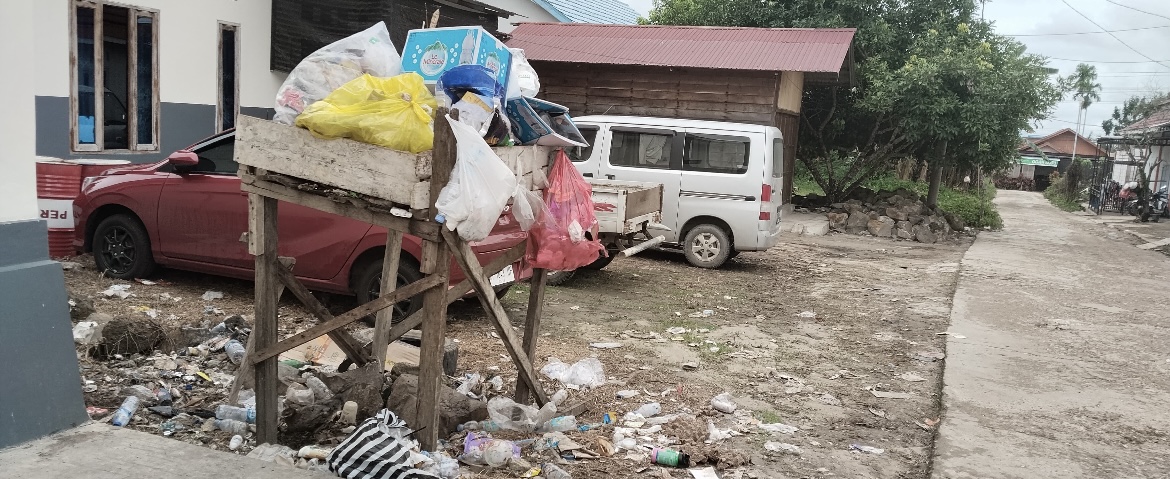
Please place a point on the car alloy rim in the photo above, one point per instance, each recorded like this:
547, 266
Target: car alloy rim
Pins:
118, 251
400, 307
705, 246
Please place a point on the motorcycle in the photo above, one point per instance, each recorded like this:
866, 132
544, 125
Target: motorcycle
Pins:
1153, 209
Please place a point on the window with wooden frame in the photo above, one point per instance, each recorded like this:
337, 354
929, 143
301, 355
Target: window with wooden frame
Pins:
113, 77
227, 106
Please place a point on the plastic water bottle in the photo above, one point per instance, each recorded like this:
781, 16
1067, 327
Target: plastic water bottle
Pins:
225, 411
231, 426
649, 409
551, 471
485, 426
123, 414
560, 424
234, 350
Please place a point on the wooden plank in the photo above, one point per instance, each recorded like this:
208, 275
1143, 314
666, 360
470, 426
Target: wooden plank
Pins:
347, 343
434, 332
262, 229
344, 163
246, 374
250, 184
389, 282
643, 201
647, 94
495, 312
456, 292
791, 92
383, 301
532, 327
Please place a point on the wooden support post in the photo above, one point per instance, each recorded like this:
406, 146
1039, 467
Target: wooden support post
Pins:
435, 262
389, 282
246, 374
350, 346
532, 326
495, 312
262, 239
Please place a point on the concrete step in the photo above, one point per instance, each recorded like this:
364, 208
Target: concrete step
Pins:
101, 451
806, 224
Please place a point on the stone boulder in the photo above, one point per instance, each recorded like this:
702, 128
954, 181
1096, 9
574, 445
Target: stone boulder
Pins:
80, 307
362, 385
882, 227
856, 223
837, 221
454, 408
923, 234
957, 223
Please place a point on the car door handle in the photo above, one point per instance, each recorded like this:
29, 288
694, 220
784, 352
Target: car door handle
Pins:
610, 177
587, 175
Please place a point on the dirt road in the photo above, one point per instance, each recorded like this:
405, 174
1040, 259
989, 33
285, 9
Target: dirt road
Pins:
1063, 372
877, 304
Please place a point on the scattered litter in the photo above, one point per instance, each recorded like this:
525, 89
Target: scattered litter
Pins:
760, 317
145, 281
930, 356
953, 335
575, 308
877, 412
891, 395
704, 473
706, 313
676, 330
627, 393
235, 443
87, 333
932, 422
780, 428
212, 295
588, 372
691, 366
151, 313
471, 383
781, 447
715, 434
646, 410
605, 345
670, 457
866, 449
829, 399
119, 290
914, 378
724, 403
807, 314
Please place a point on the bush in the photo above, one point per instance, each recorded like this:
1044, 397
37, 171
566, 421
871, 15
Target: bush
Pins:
1015, 183
1059, 195
972, 205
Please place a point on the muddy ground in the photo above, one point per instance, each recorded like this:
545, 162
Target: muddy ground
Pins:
878, 303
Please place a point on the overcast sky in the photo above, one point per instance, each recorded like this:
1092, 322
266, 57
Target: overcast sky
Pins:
1119, 81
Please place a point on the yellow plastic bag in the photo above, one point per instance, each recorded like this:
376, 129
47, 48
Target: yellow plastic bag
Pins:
396, 112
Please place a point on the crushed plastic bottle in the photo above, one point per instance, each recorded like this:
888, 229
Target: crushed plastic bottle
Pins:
321, 392
485, 426
224, 411
559, 424
125, 412
550, 471
234, 350
231, 426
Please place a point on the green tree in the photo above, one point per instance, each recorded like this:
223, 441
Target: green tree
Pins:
1084, 87
1135, 109
850, 133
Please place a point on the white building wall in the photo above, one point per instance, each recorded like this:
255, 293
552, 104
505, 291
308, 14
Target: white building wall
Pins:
525, 10
17, 133
188, 48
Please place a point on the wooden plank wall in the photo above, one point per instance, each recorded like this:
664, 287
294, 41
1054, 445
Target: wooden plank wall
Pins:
720, 95
789, 125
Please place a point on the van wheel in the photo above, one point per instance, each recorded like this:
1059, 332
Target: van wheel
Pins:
707, 246
557, 278
368, 283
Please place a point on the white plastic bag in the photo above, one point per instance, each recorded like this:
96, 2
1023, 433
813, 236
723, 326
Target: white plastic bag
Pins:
588, 372
522, 79
527, 207
510, 415
327, 69
480, 186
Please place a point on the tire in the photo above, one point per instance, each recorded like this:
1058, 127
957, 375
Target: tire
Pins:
707, 246
601, 262
121, 248
368, 282
558, 278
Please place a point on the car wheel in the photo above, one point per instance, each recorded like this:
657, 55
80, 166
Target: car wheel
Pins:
602, 261
368, 283
557, 278
121, 248
707, 246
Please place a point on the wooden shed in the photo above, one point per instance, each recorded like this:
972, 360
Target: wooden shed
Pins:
742, 75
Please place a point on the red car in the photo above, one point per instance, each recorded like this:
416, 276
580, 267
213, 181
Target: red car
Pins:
189, 215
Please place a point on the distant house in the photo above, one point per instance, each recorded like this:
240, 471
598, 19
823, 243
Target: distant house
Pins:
742, 75
1148, 138
564, 11
1057, 155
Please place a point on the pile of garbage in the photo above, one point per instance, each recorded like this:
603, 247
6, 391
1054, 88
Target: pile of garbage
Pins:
900, 214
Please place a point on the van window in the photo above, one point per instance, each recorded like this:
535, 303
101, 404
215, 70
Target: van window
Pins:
640, 150
716, 153
578, 153
777, 158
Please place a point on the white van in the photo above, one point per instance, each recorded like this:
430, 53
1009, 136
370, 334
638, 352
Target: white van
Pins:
721, 181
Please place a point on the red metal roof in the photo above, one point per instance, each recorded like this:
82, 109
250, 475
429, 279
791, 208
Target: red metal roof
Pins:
731, 48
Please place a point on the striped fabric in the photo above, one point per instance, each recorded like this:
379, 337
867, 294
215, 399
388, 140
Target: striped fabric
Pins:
374, 452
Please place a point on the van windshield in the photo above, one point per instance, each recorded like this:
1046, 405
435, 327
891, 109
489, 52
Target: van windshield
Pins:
777, 158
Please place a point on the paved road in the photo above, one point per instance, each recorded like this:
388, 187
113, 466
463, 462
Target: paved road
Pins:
1065, 368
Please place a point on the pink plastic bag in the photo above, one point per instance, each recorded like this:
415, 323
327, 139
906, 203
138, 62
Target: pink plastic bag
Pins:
559, 240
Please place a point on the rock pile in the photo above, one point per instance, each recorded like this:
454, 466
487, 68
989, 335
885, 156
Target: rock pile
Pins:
894, 214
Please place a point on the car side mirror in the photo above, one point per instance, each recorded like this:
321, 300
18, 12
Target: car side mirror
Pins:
183, 158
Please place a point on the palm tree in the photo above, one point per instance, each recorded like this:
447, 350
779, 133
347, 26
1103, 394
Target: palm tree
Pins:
1083, 84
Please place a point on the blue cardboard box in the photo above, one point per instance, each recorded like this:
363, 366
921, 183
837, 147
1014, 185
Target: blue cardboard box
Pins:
539, 122
432, 51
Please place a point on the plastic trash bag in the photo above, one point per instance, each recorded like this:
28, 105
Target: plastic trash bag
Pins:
479, 188
483, 450
588, 372
375, 450
527, 207
512, 416
522, 78
559, 241
327, 69
396, 112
